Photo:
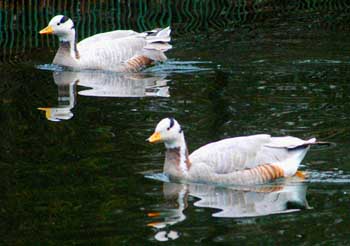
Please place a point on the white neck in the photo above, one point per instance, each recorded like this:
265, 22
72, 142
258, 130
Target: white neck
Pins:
70, 38
177, 143
180, 144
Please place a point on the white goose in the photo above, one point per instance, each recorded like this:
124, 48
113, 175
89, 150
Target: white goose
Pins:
242, 160
121, 51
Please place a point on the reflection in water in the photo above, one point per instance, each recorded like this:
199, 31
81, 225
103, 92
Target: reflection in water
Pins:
105, 84
233, 202
66, 98
102, 84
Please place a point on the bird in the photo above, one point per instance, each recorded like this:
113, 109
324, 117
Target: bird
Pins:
119, 51
244, 160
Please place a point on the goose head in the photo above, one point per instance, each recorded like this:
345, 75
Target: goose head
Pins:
169, 132
61, 26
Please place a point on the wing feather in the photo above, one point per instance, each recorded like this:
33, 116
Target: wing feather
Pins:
112, 50
231, 154
108, 54
107, 36
239, 153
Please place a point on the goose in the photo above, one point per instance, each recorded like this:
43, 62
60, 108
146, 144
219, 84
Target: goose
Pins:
120, 51
246, 160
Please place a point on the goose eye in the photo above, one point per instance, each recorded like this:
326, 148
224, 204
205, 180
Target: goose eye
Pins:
58, 24
168, 128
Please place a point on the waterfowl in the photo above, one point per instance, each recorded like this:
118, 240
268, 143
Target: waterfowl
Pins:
121, 51
244, 160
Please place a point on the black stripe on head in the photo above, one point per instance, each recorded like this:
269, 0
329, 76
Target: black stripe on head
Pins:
64, 19
172, 122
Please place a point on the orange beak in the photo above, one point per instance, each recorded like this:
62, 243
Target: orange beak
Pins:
155, 138
153, 224
47, 112
46, 30
153, 214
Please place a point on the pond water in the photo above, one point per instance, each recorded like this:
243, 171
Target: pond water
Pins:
75, 167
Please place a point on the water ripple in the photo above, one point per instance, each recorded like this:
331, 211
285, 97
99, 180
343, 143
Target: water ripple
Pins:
172, 66
157, 176
332, 177
320, 61
313, 177
51, 67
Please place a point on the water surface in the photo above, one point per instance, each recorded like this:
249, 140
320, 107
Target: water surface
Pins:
76, 172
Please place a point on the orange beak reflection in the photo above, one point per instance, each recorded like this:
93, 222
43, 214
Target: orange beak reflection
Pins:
155, 138
47, 112
46, 30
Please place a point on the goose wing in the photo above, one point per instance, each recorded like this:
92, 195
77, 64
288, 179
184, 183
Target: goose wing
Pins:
124, 50
109, 53
106, 36
239, 153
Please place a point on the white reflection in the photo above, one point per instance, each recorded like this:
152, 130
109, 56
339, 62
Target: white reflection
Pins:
251, 202
66, 87
232, 202
163, 236
101, 84
105, 84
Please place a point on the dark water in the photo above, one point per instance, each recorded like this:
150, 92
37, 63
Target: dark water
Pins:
80, 172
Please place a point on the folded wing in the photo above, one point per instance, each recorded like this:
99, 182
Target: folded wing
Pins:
124, 48
240, 153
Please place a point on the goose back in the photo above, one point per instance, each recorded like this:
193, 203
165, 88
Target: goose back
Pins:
230, 154
110, 54
107, 36
236, 154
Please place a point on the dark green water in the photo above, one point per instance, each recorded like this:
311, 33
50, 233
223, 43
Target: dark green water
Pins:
79, 178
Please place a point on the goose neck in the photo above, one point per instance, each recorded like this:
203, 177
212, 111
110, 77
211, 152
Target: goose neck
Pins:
69, 41
177, 153
179, 142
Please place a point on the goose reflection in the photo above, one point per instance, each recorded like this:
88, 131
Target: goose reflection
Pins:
232, 202
66, 86
101, 84
107, 84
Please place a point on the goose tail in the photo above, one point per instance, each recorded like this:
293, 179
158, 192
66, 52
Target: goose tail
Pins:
310, 142
297, 154
157, 42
